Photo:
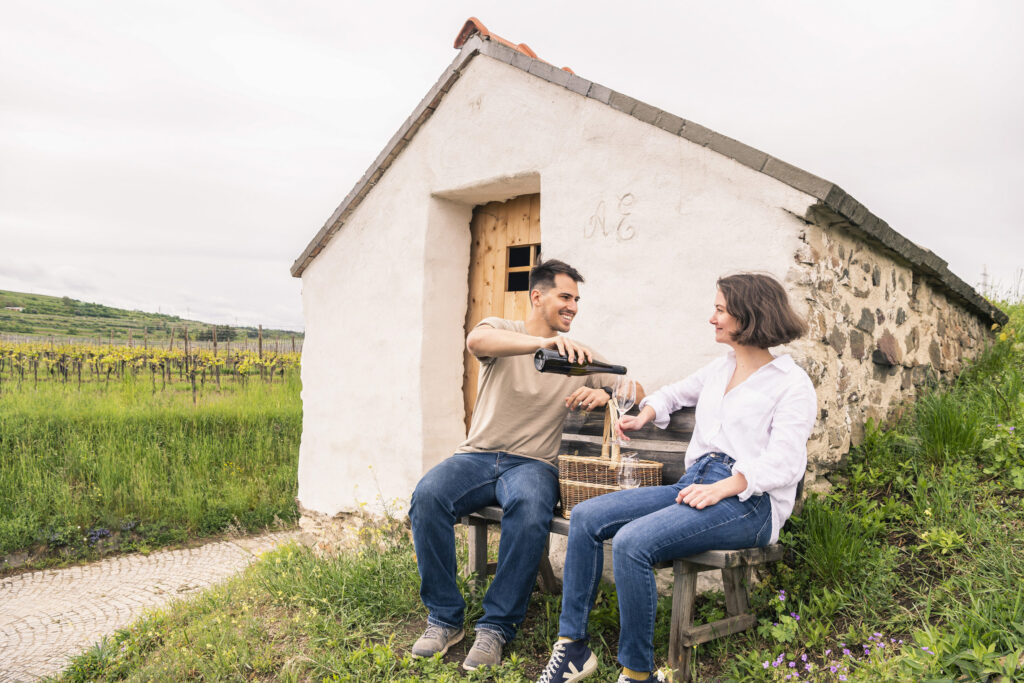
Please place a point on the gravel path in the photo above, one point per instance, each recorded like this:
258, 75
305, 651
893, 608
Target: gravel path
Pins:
48, 616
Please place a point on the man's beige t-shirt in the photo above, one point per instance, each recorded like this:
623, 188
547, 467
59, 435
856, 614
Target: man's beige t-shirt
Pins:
519, 410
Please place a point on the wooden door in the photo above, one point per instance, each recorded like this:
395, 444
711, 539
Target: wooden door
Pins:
505, 245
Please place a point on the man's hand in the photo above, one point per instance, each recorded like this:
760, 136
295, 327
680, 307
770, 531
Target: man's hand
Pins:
586, 398
700, 496
576, 352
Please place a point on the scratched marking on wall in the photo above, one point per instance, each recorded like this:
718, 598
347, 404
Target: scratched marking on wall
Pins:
601, 224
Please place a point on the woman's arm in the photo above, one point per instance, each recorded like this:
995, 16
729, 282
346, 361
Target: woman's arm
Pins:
672, 397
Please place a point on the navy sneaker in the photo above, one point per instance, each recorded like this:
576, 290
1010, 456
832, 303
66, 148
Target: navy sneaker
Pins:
569, 662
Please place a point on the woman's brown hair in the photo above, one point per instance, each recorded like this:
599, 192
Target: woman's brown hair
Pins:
761, 308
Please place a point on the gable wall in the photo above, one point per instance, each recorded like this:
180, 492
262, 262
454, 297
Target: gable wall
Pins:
650, 219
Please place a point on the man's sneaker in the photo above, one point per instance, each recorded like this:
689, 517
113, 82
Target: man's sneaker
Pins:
436, 639
656, 677
486, 650
569, 662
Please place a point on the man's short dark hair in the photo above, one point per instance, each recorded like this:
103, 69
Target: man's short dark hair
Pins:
762, 310
542, 276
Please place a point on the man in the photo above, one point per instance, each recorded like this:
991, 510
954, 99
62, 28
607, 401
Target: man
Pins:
507, 459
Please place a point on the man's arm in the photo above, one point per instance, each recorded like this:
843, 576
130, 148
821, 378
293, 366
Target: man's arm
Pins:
485, 341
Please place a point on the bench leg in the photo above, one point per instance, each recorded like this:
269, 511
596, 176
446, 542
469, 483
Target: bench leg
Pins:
735, 582
477, 564
548, 583
684, 594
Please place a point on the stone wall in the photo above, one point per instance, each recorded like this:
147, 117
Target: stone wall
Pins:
878, 332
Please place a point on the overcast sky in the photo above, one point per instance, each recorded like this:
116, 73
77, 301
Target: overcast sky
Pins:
179, 155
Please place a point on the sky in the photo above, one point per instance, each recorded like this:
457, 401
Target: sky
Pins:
177, 157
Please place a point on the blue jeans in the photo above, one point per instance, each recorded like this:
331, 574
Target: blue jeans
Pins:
650, 527
526, 489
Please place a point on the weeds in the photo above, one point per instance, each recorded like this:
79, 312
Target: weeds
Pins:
107, 468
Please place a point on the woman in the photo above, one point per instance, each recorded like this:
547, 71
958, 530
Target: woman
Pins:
747, 455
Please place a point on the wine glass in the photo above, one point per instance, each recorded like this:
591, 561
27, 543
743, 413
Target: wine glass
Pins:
625, 397
574, 420
629, 477
625, 393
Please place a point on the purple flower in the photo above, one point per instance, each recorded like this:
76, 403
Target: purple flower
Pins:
1012, 428
795, 616
846, 651
842, 677
766, 663
828, 652
792, 664
807, 667
833, 669
878, 635
803, 658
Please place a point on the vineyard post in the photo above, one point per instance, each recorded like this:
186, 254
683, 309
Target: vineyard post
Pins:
130, 344
145, 338
293, 343
170, 344
260, 341
186, 350
110, 339
214, 341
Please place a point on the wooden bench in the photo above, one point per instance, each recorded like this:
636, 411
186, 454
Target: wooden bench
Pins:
668, 447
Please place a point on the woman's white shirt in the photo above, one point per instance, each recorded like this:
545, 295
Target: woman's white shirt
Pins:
763, 424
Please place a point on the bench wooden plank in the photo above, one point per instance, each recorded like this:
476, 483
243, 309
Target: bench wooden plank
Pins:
680, 426
717, 629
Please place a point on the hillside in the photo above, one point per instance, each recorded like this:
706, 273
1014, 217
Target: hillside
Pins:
66, 317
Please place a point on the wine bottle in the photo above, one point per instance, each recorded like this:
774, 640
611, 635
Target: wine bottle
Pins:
549, 360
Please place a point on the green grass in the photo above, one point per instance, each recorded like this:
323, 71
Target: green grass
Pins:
910, 569
119, 466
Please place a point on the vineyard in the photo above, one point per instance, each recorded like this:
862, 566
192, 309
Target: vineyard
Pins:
107, 448
75, 364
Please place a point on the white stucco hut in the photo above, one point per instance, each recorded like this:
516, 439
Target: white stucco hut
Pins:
508, 155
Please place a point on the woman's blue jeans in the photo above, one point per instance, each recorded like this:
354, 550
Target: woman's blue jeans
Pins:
526, 489
648, 527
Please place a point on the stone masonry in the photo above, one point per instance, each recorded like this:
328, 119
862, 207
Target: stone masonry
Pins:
879, 330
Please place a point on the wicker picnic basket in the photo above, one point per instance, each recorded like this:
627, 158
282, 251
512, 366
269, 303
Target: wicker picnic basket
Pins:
581, 478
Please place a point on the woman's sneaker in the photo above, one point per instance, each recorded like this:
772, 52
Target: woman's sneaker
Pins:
569, 662
436, 639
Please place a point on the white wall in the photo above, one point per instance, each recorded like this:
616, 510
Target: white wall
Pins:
385, 301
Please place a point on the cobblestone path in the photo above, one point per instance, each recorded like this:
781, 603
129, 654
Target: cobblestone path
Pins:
48, 616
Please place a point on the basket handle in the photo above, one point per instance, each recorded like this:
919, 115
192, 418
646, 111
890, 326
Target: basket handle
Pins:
609, 444
607, 426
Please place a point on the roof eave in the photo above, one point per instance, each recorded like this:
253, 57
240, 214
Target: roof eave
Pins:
853, 214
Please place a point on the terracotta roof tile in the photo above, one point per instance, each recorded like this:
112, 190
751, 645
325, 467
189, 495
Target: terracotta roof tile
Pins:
474, 26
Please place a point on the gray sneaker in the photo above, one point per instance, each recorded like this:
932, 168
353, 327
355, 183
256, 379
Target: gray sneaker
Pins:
486, 650
436, 639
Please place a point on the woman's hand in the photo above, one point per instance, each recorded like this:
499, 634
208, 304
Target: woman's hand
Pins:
633, 422
700, 496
